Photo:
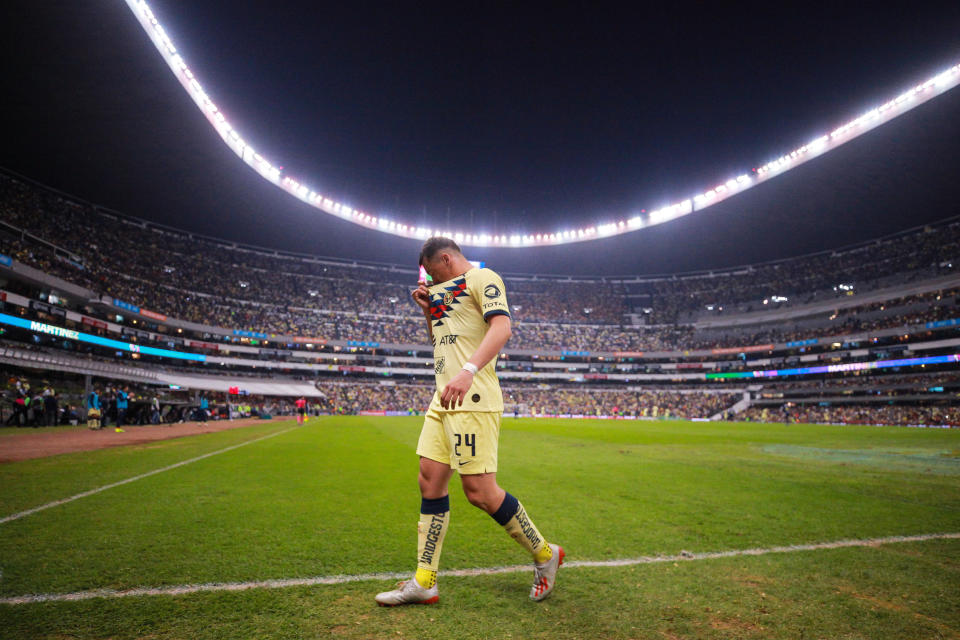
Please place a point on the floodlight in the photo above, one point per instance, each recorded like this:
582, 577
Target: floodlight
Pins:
906, 100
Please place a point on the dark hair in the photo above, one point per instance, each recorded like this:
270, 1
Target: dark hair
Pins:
436, 244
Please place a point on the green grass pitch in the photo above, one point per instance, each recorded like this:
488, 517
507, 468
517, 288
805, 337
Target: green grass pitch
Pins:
339, 496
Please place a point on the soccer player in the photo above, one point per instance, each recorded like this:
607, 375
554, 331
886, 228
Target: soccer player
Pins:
469, 323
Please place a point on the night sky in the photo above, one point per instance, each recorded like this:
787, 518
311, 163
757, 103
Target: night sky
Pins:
495, 118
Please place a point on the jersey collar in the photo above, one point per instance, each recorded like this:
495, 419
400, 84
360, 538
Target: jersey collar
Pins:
434, 286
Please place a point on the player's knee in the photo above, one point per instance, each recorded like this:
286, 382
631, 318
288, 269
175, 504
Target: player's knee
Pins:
478, 498
424, 483
431, 487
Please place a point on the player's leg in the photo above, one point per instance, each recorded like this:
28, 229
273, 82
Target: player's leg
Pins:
433, 479
483, 492
476, 439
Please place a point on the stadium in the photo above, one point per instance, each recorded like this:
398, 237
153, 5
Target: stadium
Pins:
739, 423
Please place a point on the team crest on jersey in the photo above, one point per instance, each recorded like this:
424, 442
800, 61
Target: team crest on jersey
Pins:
442, 303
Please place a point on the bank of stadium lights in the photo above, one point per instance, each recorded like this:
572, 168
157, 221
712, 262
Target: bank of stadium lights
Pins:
872, 118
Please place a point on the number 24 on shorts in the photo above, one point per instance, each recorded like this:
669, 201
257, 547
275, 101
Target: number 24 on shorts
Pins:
467, 440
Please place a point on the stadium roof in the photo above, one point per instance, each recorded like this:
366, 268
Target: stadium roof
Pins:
603, 113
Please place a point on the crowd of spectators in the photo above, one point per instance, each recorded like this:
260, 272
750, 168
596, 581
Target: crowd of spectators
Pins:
184, 277
805, 279
594, 402
48, 399
410, 329
355, 397
873, 414
865, 380
213, 282
36, 404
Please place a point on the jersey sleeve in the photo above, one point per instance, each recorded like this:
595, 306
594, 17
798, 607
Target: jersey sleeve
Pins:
490, 294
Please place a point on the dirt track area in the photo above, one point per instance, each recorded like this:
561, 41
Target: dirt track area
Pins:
29, 444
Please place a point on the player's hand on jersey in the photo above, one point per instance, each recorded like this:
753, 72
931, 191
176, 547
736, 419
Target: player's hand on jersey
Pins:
421, 295
456, 390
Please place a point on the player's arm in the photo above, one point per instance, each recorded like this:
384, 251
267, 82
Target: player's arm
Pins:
498, 332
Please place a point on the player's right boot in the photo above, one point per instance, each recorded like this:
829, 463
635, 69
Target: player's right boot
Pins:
408, 592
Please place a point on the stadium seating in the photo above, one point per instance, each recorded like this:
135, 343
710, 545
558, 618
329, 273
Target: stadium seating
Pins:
573, 351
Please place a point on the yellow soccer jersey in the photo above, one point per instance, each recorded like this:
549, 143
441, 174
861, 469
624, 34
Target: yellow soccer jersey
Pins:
459, 310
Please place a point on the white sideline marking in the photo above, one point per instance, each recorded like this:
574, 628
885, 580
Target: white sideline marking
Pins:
55, 503
366, 577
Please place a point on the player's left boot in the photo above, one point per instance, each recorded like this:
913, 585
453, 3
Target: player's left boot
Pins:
410, 592
545, 575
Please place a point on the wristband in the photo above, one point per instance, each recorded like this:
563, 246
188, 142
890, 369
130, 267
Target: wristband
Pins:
472, 368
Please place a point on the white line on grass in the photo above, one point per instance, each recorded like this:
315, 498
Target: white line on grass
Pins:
365, 577
56, 503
